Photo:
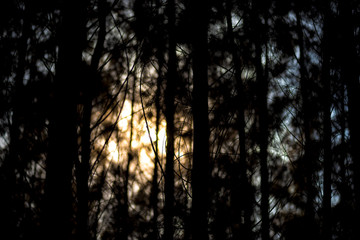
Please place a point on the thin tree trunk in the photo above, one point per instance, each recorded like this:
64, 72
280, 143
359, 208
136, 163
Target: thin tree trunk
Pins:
200, 171
241, 204
262, 83
155, 187
350, 73
83, 170
327, 127
170, 128
63, 148
264, 142
125, 208
12, 202
345, 185
308, 155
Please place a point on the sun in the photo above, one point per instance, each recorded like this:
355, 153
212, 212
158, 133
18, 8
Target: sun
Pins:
141, 142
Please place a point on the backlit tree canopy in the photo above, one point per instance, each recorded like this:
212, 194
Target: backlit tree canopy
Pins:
179, 119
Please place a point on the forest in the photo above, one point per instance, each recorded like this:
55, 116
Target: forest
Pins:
180, 119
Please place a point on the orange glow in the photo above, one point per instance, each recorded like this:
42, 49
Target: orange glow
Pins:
141, 141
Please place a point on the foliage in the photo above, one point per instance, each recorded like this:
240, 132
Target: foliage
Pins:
282, 83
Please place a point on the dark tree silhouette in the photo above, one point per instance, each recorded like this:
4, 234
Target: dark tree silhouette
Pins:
260, 100
327, 226
262, 83
170, 128
83, 165
349, 60
241, 193
200, 172
307, 161
58, 222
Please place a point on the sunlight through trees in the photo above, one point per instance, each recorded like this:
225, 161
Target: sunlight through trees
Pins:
179, 119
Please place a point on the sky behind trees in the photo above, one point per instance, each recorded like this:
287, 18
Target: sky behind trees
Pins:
178, 119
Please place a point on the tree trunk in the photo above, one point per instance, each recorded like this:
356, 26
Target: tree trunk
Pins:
327, 126
241, 203
345, 185
349, 71
12, 186
83, 167
155, 187
63, 148
200, 171
262, 84
264, 142
308, 159
170, 128
124, 209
